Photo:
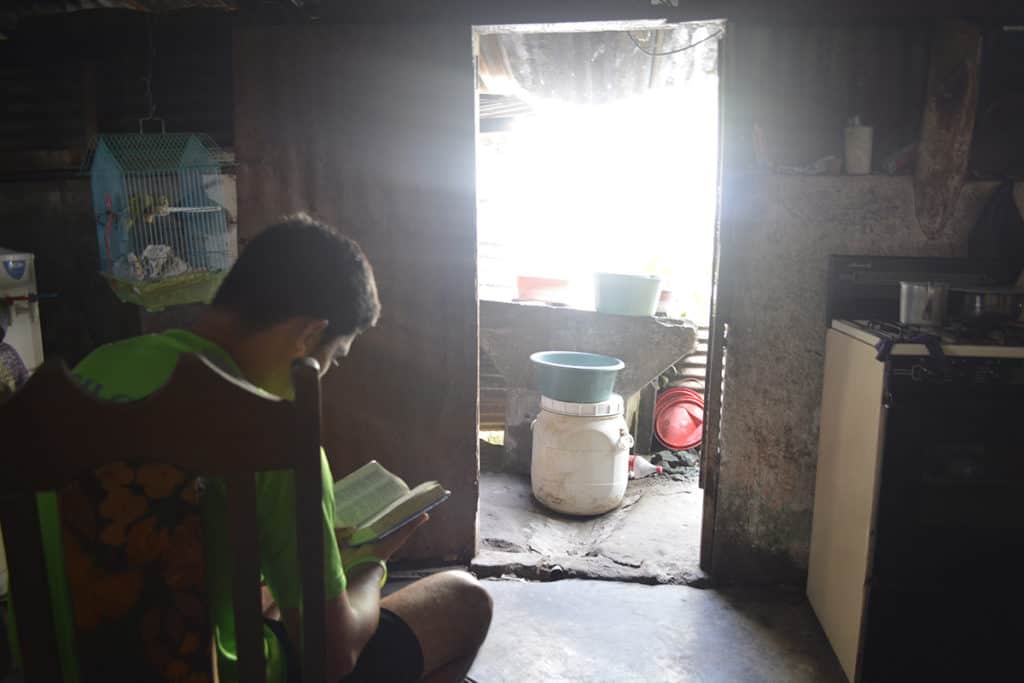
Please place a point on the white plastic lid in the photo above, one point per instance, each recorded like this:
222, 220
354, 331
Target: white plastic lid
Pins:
613, 406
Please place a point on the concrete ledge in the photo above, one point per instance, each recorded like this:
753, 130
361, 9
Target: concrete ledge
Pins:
510, 332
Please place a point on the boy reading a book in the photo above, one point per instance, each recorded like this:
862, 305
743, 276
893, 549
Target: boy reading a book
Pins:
301, 289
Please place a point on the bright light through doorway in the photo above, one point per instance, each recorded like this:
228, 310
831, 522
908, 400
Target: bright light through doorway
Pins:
627, 186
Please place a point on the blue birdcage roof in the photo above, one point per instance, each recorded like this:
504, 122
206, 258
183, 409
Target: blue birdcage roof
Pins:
138, 152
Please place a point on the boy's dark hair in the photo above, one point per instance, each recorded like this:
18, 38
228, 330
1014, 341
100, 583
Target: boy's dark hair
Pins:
301, 267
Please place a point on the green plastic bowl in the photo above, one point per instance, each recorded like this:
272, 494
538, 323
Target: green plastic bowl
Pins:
575, 377
626, 294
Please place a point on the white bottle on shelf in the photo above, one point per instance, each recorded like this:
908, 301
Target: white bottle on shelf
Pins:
859, 140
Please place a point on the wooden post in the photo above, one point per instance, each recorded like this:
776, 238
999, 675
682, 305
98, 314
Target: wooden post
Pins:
645, 418
521, 408
947, 124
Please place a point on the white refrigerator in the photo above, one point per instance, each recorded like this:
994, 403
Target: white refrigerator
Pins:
19, 318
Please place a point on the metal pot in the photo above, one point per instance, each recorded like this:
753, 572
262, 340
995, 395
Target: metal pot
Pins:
923, 303
986, 306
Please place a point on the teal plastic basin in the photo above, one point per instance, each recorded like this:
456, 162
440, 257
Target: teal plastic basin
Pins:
574, 376
626, 294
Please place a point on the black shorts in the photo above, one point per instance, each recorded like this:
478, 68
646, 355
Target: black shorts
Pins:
393, 653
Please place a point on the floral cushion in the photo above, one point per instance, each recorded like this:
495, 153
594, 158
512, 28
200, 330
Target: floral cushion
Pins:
132, 537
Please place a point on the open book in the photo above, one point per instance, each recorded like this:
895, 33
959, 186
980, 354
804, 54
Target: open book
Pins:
376, 503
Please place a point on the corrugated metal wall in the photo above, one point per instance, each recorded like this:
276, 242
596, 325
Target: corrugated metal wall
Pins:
64, 78
44, 106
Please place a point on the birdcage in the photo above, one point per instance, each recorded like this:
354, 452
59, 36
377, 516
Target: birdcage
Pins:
160, 217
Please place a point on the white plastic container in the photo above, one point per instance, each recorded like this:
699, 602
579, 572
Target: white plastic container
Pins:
580, 456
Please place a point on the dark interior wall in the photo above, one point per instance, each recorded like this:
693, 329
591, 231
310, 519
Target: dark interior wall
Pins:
371, 129
542, 11
66, 77
802, 79
392, 172
997, 149
63, 79
53, 219
800, 83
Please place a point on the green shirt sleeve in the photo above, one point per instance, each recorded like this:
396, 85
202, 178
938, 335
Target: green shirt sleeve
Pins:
279, 554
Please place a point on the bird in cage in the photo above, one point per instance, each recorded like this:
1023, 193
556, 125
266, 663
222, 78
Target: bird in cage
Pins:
146, 208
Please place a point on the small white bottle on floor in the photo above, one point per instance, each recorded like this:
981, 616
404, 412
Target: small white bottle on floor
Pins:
640, 467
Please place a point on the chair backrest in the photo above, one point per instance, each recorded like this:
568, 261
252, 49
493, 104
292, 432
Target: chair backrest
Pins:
134, 603
54, 432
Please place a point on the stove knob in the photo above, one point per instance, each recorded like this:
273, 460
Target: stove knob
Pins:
920, 373
986, 375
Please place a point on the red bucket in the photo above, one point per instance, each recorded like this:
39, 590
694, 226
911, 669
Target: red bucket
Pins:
679, 418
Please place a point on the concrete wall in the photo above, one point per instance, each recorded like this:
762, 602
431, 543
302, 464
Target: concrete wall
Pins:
778, 232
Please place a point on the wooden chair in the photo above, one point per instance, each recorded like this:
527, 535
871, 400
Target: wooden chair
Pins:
202, 421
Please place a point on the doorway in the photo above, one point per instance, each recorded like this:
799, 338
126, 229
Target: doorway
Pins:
597, 152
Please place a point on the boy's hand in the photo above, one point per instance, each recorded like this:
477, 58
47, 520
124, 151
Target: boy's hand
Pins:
342, 534
383, 549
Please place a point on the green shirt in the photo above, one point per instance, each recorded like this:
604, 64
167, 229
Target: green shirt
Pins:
133, 369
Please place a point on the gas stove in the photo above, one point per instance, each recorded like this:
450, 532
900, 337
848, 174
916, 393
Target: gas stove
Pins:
918, 522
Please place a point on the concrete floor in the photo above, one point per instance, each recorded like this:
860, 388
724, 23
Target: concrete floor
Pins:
618, 630
577, 631
607, 632
654, 537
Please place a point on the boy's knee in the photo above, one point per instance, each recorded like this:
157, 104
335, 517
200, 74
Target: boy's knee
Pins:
473, 597
482, 601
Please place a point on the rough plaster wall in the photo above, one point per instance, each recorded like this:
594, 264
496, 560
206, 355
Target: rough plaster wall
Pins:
777, 235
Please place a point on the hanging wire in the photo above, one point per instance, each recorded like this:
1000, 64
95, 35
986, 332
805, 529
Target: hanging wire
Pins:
148, 79
151, 108
676, 50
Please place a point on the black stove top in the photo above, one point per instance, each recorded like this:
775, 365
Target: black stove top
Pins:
1010, 334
